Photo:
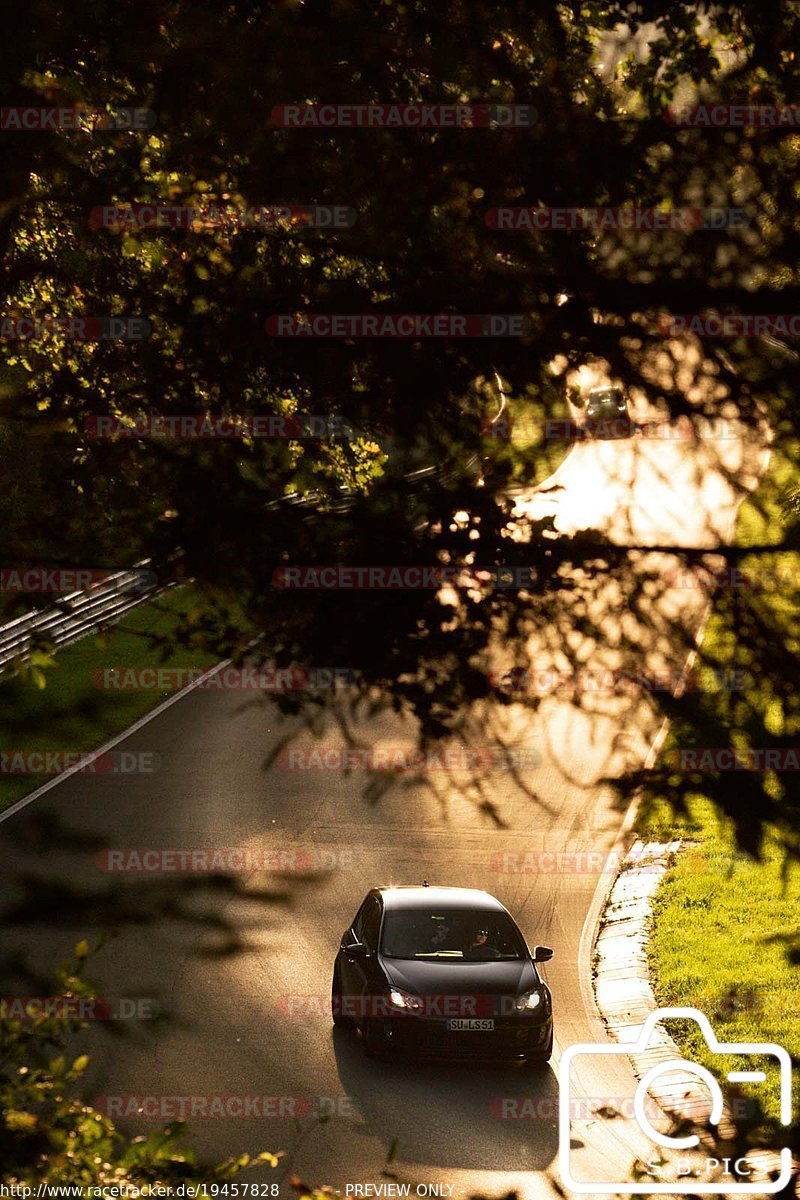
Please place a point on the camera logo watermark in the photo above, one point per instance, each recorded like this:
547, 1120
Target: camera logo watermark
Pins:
720, 1176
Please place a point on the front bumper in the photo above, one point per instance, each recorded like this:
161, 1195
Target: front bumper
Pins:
511, 1038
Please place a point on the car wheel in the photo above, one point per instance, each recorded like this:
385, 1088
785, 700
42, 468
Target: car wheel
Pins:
374, 1041
336, 999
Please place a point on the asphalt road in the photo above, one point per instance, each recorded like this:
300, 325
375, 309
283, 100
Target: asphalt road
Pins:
239, 964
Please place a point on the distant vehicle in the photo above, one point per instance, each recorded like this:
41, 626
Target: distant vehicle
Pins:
606, 413
442, 972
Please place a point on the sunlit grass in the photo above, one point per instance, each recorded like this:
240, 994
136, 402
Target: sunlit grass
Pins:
726, 930
723, 931
522, 440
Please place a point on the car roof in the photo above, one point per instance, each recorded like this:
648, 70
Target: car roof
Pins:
608, 389
410, 897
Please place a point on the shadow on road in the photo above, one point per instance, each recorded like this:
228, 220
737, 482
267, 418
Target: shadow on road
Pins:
46, 866
469, 1116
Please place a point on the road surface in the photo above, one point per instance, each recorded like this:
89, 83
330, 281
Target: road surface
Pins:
239, 963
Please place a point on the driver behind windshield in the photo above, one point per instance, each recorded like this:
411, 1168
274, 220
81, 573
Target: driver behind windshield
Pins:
481, 947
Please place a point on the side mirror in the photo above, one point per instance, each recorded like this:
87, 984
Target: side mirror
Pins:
356, 948
542, 954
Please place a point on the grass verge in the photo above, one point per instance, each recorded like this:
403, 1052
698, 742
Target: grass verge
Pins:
726, 927
74, 713
520, 443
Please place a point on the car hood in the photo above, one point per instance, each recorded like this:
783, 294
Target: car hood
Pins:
609, 409
493, 977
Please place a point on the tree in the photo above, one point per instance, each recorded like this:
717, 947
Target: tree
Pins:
48, 1135
423, 241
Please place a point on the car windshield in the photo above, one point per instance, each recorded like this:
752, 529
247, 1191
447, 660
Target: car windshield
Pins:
453, 935
607, 399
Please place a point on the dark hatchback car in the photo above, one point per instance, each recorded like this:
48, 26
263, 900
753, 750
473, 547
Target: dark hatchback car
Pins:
606, 414
442, 972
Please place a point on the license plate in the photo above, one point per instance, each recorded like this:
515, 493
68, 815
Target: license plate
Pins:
457, 1024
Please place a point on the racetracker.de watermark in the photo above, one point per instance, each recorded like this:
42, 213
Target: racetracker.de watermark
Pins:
77, 329
730, 325
361, 1006
227, 427
314, 757
602, 862
734, 116
339, 577
565, 862
54, 762
259, 218
548, 681
225, 860
403, 116
684, 428
61, 580
398, 325
605, 219
728, 758
78, 1008
162, 1106
771, 1006
581, 1108
225, 679
68, 118
763, 577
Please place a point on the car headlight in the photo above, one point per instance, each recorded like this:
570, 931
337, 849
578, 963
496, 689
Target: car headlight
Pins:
405, 1000
529, 1000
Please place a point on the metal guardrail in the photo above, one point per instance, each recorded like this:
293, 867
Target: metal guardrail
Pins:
80, 613
76, 614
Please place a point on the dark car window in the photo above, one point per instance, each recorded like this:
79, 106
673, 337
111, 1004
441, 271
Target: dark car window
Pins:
451, 935
367, 924
611, 401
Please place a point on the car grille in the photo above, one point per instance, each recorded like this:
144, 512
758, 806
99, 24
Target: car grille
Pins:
433, 1037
